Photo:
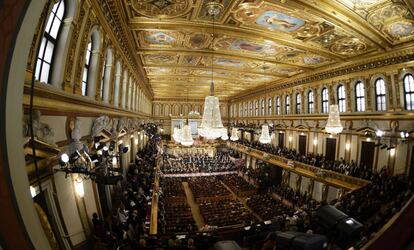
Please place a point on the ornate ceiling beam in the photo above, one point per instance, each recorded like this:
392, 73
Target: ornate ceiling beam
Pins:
241, 70
245, 32
184, 51
338, 14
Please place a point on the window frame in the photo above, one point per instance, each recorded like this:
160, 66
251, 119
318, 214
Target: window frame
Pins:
269, 106
380, 96
86, 68
359, 96
325, 100
298, 104
410, 92
277, 105
287, 104
341, 96
47, 38
311, 101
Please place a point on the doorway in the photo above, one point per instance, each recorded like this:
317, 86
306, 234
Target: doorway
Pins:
367, 154
302, 144
281, 140
330, 149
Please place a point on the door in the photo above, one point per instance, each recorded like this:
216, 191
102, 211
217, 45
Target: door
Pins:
302, 144
281, 140
367, 154
330, 149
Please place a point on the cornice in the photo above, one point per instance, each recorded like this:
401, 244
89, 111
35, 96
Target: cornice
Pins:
183, 100
51, 101
405, 115
390, 58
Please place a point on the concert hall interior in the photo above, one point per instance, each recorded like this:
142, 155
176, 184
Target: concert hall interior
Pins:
207, 124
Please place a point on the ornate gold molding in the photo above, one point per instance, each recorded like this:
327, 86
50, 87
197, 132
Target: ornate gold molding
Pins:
390, 59
51, 101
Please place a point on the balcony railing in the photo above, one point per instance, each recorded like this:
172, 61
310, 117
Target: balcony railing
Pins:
326, 176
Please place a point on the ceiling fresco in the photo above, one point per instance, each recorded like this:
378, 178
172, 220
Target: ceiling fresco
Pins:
252, 43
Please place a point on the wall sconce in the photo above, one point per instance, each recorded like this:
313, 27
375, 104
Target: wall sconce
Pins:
379, 133
302, 133
368, 139
347, 146
330, 136
136, 141
290, 138
132, 136
392, 152
78, 183
315, 142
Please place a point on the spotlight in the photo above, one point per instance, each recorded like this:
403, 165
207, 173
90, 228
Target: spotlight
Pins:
64, 157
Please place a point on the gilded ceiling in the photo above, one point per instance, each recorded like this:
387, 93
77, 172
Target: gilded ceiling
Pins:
257, 42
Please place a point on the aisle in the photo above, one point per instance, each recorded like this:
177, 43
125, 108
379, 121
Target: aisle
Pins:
193, 205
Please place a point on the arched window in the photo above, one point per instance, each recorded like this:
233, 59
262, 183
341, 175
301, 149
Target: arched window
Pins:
341, 98
310, 102
245, 109
380, 101
262, 107
277, 105
86, 69
48, 43
251, 108
298, 103
287, 104
360, 97
325, 100
256, 108
102, 86
409, 91
269, 106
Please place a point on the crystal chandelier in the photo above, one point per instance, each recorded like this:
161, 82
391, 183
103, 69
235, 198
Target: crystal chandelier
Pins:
234, 136
264, 136
225, 136
187, 138
333, 126
177, 134
211, 125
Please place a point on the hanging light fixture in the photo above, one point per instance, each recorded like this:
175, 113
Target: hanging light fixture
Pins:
333, 126
264, 136
177, 134
234, 136
211, 125
186, 136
